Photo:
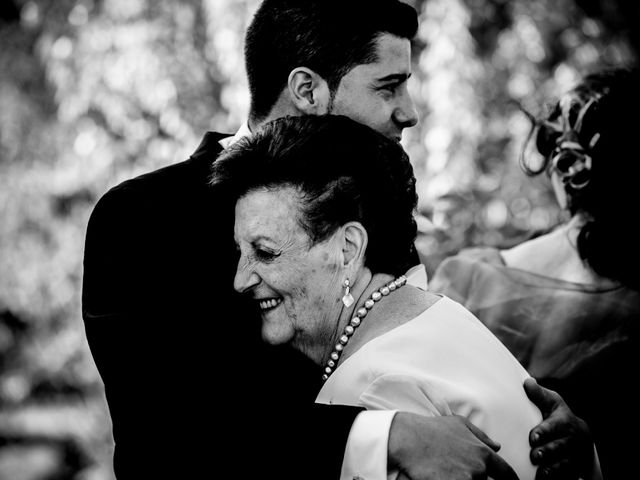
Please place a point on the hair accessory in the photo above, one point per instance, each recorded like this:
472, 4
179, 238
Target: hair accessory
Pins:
572, 164
347, 298
571, 161
357, 320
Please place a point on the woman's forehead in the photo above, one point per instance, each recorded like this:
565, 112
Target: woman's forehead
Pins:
269, 212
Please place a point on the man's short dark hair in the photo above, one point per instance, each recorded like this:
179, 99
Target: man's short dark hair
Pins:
344, 171
330, 37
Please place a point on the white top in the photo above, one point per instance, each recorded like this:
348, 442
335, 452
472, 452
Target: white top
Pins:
443, 362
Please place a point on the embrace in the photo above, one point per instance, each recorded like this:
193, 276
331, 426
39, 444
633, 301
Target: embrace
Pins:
322, 210
324, 223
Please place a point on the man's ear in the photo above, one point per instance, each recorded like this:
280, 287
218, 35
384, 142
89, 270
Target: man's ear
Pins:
309, 92
354, 244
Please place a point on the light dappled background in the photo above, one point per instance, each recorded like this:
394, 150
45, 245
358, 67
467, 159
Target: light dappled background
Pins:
93, 92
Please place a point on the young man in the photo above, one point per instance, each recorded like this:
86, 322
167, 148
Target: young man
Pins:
180, 352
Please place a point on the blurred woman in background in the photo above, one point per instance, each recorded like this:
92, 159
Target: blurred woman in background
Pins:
567, 303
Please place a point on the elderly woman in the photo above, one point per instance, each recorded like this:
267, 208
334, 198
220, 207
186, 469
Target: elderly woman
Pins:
324, 224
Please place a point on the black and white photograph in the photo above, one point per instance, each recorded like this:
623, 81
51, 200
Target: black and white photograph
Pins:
319, 239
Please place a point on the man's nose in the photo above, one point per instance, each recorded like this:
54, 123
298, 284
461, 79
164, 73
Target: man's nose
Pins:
405, 114
246, 278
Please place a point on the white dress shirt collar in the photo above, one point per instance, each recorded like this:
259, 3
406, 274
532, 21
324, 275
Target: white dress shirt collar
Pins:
242, 132
417, 277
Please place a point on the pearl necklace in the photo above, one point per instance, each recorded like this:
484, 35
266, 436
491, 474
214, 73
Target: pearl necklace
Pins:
356, 321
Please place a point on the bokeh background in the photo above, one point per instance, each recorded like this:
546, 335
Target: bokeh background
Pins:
93, 92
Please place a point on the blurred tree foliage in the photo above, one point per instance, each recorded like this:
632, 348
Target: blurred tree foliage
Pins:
97, 91
478, 62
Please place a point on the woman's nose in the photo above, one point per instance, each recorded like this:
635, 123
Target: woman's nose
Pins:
246, 278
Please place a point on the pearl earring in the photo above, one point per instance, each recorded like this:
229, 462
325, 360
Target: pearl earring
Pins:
347, 299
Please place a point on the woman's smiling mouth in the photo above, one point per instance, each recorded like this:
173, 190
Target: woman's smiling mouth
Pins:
269, 303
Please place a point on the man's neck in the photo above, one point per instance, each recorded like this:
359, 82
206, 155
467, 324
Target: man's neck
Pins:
282, 108
253, 124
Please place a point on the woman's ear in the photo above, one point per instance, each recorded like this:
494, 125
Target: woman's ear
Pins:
354, 244
309, 92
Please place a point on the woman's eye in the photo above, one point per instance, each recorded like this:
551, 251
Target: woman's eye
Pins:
265, 255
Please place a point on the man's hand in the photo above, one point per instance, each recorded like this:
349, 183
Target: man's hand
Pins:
438, 448
561, 445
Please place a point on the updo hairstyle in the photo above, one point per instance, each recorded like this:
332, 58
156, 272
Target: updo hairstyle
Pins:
591, 141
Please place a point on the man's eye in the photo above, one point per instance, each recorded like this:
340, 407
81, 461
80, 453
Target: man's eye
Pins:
389, 88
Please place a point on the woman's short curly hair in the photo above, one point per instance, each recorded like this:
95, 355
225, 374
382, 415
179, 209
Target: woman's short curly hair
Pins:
343, 170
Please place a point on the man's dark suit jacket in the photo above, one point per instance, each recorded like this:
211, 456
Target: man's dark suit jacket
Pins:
192, 390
